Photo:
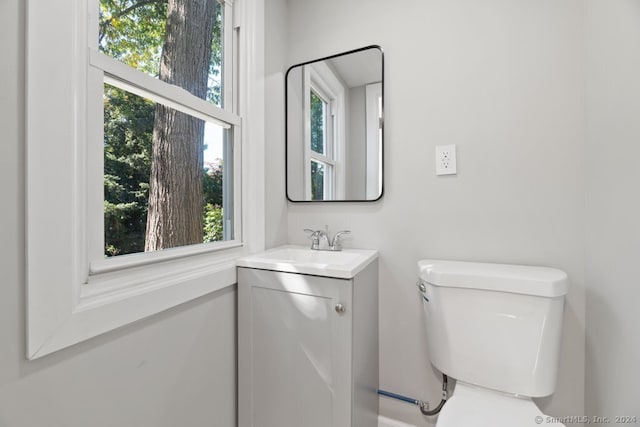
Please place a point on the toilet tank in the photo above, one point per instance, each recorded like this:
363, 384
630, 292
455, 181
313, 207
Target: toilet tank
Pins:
494, 325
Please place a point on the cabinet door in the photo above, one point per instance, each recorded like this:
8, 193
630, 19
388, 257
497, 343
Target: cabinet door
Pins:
299, 350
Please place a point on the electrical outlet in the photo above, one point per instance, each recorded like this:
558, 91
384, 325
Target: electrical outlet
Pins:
446, 160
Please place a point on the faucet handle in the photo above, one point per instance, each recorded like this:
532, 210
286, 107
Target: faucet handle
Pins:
336, 244
314, 236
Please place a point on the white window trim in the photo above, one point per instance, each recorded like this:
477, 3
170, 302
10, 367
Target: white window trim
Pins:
62, 309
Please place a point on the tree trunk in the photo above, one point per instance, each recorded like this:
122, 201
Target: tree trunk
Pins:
175, 186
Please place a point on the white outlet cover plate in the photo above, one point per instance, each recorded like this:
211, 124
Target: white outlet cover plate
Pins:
446, 160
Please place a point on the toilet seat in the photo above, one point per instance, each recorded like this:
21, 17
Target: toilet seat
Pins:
472, 406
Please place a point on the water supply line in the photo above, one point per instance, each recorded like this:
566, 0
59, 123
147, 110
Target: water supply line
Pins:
424, 406
437, 409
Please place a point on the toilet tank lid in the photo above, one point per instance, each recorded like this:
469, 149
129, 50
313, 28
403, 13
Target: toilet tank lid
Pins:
519, 279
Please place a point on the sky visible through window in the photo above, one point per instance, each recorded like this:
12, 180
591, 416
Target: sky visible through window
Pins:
213, 140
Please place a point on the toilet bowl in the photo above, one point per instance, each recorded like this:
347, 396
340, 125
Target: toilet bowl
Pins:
496, 330
472, 406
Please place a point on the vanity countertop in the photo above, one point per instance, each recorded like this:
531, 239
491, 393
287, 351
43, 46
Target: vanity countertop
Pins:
344, 264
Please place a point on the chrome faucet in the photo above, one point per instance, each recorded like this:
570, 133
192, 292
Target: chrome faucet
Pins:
334, 244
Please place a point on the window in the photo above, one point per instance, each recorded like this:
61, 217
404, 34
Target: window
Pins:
130, 123
159, 192
142, 141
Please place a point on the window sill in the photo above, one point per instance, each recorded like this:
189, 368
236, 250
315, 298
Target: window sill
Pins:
142, 259
120, 298
156, 273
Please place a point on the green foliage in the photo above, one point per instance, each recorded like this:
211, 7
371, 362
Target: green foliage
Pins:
133, 32
212, 186
214, 86
317, 181
212, 212
317, 123
128, 129
212, 220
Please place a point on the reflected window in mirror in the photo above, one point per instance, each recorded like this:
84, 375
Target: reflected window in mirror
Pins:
323, 119
317, 181
321, 148
334, 128
318, 144
317, 118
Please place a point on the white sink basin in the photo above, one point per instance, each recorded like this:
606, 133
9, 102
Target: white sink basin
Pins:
344, 264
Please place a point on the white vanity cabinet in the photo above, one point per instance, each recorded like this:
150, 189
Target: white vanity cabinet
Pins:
307, 349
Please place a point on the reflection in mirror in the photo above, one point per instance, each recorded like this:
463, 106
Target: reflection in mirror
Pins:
334, 127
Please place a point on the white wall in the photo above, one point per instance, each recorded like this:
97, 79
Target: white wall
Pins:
613, 207
177, 368
501, 79
275, 68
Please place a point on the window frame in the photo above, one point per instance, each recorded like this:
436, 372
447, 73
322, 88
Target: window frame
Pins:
67, 301
328, 157
321, 79
117, 74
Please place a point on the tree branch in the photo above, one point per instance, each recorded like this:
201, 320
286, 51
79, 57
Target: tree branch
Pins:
141, 3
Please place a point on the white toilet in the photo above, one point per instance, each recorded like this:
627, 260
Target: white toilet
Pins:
496, 330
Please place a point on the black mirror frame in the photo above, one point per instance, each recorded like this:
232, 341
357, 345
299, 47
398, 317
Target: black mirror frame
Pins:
286, 127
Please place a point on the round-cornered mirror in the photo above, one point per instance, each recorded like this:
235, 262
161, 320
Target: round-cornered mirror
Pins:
334, 128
